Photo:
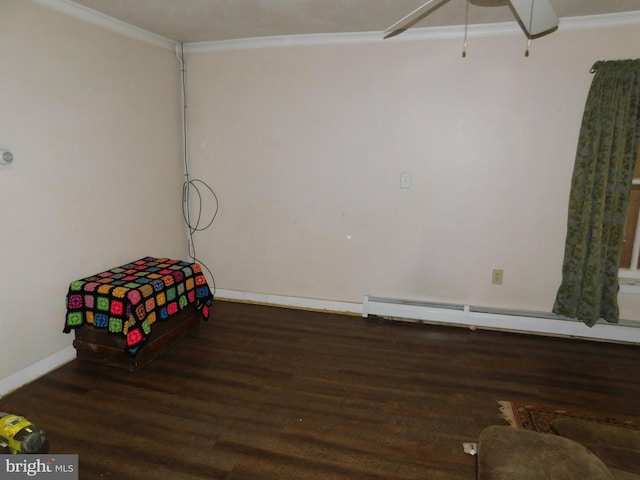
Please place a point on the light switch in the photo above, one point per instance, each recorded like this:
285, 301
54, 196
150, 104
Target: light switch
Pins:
405, 180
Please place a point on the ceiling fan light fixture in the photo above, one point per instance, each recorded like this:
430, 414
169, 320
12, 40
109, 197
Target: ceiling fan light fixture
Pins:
536, 17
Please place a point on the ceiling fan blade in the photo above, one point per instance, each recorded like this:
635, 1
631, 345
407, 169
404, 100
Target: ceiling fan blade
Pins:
406, 22
536, 16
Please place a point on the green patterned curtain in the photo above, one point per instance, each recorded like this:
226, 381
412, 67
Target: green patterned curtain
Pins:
603, 170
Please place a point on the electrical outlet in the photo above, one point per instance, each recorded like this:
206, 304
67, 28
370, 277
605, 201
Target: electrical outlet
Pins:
497, 275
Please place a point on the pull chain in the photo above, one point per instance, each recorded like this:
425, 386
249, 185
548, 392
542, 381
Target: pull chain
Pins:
466, 28
526, 53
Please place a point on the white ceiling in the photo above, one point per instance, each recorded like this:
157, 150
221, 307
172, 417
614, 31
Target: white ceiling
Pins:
188, 21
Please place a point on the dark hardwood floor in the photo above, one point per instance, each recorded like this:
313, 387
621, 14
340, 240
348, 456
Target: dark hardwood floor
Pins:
271, 393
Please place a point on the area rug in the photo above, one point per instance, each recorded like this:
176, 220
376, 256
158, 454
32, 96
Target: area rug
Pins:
532, 416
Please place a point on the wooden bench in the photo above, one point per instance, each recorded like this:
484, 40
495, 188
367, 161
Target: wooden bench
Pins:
98, 346
128, 315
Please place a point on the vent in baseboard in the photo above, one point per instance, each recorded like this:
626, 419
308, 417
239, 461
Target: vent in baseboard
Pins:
414, 303
520, 313
522, 321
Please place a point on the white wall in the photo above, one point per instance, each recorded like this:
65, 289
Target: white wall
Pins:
93, 120
305, 146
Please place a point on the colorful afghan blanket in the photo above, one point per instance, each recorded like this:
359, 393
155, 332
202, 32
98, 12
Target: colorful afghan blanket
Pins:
128, 300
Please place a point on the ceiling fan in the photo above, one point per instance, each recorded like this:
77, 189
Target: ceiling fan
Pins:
536, 17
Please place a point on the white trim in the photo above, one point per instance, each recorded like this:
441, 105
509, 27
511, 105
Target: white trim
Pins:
630, 288
541, 323
600, 21
437, 33
290, 302
489, 29
626, 275
94, 17
35, 371
500, 319
278, 41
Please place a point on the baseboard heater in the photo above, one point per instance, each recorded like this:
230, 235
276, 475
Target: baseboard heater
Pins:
521, 321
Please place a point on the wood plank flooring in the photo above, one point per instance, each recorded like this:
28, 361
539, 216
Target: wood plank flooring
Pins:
271, 393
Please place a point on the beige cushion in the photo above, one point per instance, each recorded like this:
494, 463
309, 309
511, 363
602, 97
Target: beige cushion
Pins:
617, 447
508, 453
622, 475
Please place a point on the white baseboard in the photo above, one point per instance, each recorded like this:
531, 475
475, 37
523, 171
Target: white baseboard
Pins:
539, 323
35, 371
491, 319
291, 302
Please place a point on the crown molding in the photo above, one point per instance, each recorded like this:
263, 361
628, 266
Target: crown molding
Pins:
600, 21
88, 15
489, 29
350, 38
492, 29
